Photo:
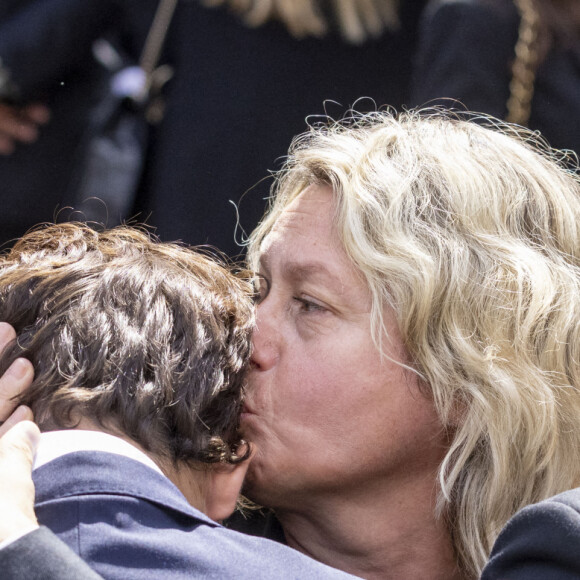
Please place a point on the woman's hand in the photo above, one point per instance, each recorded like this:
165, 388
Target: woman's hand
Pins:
18, 441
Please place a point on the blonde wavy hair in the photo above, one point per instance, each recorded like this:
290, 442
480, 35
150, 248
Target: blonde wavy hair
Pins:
358, 20
472, 235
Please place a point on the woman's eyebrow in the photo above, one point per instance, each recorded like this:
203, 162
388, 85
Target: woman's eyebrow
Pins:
314, 271
300, 271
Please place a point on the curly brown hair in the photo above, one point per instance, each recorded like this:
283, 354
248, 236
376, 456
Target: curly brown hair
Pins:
150, 337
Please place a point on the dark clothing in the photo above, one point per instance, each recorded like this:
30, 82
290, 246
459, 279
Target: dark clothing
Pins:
129, 522
540, 542
465, 52
34, 179
238, 97
261, 523
40, 555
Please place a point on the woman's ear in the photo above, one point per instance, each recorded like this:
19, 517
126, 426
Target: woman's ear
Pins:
223, 490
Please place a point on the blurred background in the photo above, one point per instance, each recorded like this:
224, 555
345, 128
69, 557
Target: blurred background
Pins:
236, 80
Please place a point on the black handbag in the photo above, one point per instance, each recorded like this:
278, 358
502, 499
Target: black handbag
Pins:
112, 152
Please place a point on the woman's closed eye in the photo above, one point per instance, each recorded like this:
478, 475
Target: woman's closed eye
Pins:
309, 306
261, 288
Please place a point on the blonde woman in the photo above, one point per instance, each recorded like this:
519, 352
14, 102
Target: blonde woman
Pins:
456, 248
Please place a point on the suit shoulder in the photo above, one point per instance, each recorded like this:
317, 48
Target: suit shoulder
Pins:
40, 555
539, 542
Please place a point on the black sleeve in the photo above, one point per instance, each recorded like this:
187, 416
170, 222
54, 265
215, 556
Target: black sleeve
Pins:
7, 7
40, 555
465, 52
46, 39
540, 542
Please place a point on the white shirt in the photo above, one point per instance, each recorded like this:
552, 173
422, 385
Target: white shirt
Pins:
55, 444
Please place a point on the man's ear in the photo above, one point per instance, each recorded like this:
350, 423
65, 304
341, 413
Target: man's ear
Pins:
225, 483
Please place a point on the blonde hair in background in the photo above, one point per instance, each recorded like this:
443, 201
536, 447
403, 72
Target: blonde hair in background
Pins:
358, 20
472, 235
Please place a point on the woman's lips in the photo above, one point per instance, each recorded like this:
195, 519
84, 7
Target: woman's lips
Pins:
247, 413
248, 407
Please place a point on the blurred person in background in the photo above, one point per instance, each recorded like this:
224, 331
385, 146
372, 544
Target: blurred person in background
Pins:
42, 122
241, 68
515, 59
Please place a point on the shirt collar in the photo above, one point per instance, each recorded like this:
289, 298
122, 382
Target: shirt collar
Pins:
55, 444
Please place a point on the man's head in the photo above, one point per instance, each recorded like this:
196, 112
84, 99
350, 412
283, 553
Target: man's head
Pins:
469, 237
147, 339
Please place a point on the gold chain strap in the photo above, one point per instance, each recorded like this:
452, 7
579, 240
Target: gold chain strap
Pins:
519, 104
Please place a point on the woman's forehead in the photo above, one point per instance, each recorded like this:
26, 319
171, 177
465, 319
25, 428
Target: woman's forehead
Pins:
308, 217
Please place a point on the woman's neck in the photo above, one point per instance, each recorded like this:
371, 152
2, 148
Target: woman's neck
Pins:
392, 535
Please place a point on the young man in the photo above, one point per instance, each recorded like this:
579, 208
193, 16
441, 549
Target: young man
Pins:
140, 352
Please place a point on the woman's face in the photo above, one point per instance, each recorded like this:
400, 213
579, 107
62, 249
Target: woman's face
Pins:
325, 411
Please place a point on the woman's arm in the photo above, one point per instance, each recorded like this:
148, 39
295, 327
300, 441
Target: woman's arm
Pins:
26, 551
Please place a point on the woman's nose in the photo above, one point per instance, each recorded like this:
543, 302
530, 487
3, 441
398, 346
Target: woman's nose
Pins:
265, 349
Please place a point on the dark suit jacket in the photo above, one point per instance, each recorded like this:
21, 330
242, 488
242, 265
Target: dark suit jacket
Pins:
40, 555
466, 49
541, 542
128, 522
